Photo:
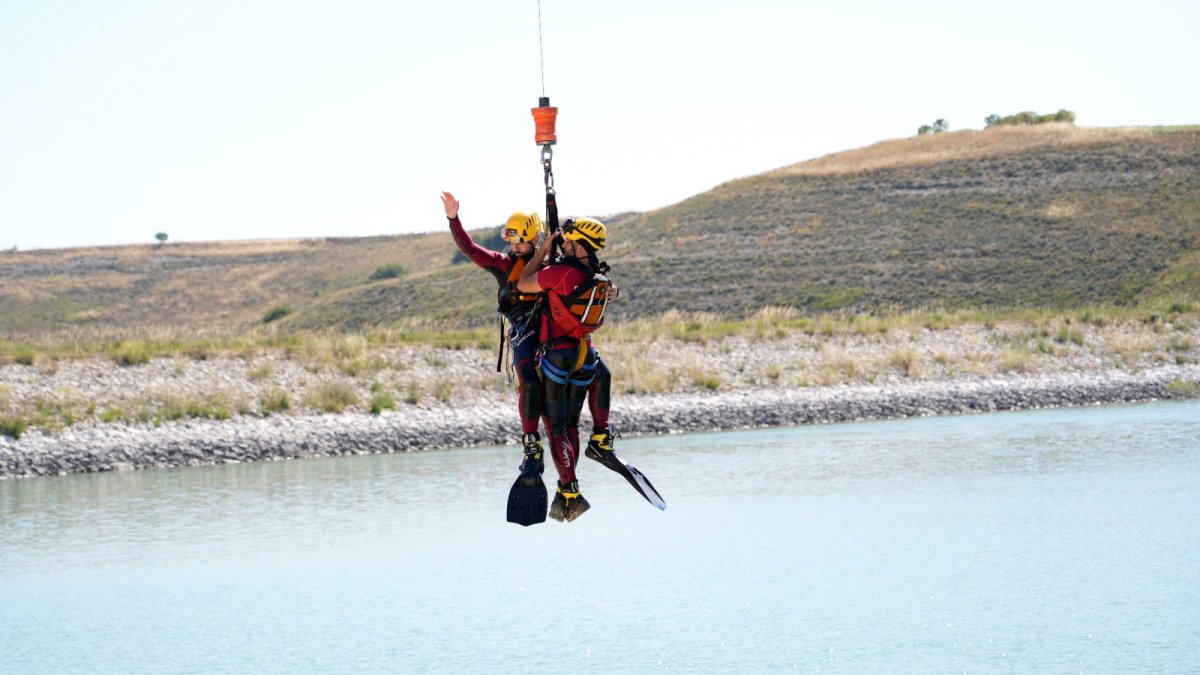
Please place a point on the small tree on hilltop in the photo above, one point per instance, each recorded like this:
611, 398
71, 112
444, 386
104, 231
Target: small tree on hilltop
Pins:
1029, 117
936, 128
161, 237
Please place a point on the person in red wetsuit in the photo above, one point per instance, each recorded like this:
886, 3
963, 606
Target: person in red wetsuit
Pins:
577, 291
522, 311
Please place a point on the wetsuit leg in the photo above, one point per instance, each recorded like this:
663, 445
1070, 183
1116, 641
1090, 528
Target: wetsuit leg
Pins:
566, 388
556, 367
580, 382
598, 395
529, 387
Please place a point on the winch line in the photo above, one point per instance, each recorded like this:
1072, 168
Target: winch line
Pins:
541, 55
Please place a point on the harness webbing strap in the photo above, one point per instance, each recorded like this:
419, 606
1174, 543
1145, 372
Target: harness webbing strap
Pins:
551, 201
591, 301
500, 356
580, 356
581, 377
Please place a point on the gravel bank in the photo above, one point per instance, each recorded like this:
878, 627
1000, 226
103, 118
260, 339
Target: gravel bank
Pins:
122, 447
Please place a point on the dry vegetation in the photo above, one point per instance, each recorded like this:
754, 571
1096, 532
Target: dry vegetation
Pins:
674, 353
1083, 217
962, 145
221, 289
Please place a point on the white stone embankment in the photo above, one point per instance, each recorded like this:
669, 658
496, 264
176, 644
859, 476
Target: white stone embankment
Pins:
120, 447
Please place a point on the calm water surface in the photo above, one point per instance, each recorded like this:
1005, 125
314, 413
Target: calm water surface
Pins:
1051, 541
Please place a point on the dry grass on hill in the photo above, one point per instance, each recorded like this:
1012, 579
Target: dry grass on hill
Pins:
195, 286
960, 145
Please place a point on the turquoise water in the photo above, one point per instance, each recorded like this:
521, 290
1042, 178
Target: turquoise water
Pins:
1050, 541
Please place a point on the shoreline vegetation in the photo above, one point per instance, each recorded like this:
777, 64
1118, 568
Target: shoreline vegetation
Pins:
133, 403
138, 345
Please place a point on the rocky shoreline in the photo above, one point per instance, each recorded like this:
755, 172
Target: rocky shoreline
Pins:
123, 447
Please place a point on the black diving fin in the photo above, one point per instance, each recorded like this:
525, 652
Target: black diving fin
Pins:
527, 498
636, 478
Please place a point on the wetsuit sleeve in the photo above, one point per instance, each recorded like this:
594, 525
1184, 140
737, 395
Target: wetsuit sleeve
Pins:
559, 278
479, 255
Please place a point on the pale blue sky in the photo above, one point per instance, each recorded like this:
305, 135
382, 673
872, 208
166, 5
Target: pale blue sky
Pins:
244, 120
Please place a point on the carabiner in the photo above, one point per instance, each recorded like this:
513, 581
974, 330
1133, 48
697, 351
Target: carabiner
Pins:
547, 156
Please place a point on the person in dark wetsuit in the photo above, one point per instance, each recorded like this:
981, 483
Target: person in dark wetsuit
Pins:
520, 308
577, 293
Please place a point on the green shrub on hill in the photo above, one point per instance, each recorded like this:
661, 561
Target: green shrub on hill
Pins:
332, 397
12, 427
25, 356
381, 401
132, 353
840, 298
275, 313
274, 400
214, 406
1180, 388
389, 271
113, 414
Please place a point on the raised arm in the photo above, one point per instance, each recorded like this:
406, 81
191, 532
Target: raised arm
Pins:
528, 282
479, 255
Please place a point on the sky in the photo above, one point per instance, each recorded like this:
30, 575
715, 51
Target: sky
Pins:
220, 120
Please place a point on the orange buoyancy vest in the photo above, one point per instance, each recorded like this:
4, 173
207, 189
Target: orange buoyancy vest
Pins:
581, 312
509, 297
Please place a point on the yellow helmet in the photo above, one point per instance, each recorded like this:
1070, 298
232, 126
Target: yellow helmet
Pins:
522, 226
588, 230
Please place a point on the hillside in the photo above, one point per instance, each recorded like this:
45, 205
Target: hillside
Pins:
218, 288
1041, 216
1050, 216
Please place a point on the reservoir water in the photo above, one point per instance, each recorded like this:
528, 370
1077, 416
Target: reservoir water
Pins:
1050, 541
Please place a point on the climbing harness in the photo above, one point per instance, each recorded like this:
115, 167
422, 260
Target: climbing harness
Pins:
521, 332
581, 373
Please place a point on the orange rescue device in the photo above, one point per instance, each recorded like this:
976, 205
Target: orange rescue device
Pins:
543, 120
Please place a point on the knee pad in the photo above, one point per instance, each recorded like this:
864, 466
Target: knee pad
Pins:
531, 398
601, 386
575, 397
527, 371
554, 400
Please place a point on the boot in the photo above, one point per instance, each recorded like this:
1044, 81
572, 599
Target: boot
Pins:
568, 504
532, 465
601, 444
